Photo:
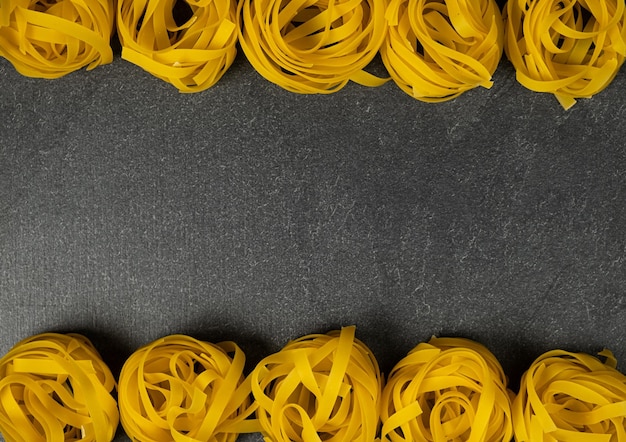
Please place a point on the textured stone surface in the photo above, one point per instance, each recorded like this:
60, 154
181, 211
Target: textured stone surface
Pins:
129, 211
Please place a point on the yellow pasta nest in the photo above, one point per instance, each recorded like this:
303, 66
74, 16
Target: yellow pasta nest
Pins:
319, 388
571, 397
55, 387
450, 389
192, 54
570, 48
437, 49
51, 38
181, 389
312, 46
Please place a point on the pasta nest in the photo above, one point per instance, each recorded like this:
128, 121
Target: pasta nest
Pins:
437, 49
55, 388
51, 38
319, 388
569, 48
188, 43
565, 394
312, 46
181, 389
449, 389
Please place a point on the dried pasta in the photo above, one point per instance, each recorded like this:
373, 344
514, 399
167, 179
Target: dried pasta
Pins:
570, 48
571, 397
449, 389
319, 387
192, 55
184, 390
437, 49
51, 38
312, 46
55, 388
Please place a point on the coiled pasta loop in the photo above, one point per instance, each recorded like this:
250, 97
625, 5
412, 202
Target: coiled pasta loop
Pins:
184, 390
55, 388
570, 48
449, 389
192, 55
312, 46
319, 388
437, 49
571, 397
51, 38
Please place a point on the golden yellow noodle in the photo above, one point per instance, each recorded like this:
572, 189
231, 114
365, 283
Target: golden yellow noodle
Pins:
181, 389
312, 46
192, 55
570, 48
571, 397
437, 49
55, 388
449, 389
51, 38
319, 388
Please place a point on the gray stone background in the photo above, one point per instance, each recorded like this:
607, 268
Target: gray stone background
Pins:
129, 211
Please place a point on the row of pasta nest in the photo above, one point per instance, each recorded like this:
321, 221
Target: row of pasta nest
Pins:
433, 49
322, 387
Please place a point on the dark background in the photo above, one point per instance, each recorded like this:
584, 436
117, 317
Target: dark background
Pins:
129, 211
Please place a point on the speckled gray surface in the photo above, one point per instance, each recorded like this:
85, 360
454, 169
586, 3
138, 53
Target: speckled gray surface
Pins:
129, 211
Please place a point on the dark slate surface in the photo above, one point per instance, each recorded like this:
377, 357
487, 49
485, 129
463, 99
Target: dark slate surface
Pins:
129, 211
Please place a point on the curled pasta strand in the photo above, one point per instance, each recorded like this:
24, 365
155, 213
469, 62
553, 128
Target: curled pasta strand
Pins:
192, 55
55, 387
51, 38
570, 48
181, 389
312, 46
437, 49
319, 387
571, 397
447, 389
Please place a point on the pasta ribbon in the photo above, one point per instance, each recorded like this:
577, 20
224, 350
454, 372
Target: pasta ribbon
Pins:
571, 397
191, 54
449, 389
184, 390
569, 48
319, 388
51, 38
55, 388
437, 49
312, 46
